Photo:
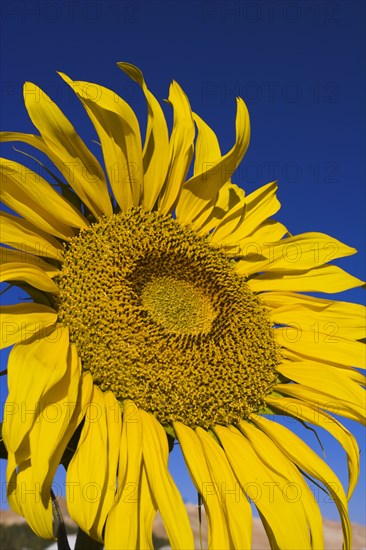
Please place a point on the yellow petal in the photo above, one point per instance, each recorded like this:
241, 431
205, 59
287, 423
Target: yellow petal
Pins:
200, 190
207, 154
227, 198
22, 321
77, 409
351, 372
114, 428
25, 236
92, 470
163, 489
297, 451
122, 528
75, 192
30, 139
8, 256
207, 148
45, 464
302, 503
13, 492
329, 279
262, 484
330, 317
25, 192
218, 536
301, 252
119, 134
156, 148
235, 504
35, 477
246, 217
268, 231
21, 459
65, 168
180, 147
309, 413
24, 496
83, 399
147, 512
48, 432
34, 368
354, 375
229, 222
320, 375
252, 247
79, 167
323, 399
259, 206
30, 274
315, 344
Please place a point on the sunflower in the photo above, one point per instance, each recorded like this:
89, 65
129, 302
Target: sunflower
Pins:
168, 306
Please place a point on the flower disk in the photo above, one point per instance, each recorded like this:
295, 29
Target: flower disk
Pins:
160, 317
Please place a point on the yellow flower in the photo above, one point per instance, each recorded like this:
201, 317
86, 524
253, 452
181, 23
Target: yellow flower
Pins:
168, 306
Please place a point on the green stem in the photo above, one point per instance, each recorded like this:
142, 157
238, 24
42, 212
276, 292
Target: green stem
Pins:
200, 517
62, 542
84, 542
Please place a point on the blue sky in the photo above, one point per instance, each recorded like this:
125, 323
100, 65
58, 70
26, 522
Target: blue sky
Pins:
299, 66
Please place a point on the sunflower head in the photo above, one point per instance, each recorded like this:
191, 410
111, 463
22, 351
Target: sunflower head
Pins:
151, 316
161, 317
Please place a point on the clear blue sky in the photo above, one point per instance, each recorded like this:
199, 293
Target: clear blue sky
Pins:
299, 65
